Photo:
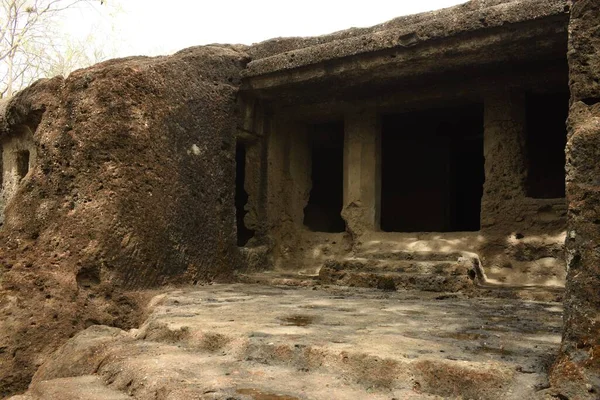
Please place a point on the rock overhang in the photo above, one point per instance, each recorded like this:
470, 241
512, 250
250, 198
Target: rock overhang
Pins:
473, 34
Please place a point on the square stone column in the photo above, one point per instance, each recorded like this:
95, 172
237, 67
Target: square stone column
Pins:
505, 155
288, 189
362, 171
289, 171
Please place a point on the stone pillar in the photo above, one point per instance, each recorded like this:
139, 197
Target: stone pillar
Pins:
299, 173
362, 171
289, 184
505, 158
289, 169
576, 374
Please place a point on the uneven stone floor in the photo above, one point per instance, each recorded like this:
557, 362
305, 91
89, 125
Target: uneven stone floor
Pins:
259, 342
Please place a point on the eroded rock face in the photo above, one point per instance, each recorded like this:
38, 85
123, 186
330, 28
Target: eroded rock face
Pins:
280, 54
129, 179
130, 189
577, 372
311, 343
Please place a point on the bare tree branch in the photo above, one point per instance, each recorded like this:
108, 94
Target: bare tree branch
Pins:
28, 47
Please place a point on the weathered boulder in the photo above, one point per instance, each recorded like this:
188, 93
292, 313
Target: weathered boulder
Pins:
130, 188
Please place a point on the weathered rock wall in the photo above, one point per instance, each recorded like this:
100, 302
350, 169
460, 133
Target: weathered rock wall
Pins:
522, 233
509, 48
132, 188
406, 31
577, 371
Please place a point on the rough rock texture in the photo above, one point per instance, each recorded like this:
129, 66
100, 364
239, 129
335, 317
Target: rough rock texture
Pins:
129, 182
446, 273
244, 342
577, 372
17, 155
406, 31
488, 52
131, 189
521, 233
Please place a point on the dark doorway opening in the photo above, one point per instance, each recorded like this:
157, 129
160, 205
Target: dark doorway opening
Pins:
323, 211
546, 141
22, 163
241, 197
432, 170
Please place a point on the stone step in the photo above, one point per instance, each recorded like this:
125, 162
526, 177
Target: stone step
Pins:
402, 273
358, 279
396, 280
446, 268
278, 278
388, 274
412, 255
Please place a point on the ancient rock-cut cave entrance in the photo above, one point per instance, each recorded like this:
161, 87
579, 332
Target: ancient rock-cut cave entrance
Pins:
241, 197
17, 156
22, 163
323, 211
432, 170
546, 141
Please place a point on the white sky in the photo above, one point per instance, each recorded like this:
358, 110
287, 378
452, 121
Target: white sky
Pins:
151, 27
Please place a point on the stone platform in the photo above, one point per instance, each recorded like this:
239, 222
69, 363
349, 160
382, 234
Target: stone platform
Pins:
242, 341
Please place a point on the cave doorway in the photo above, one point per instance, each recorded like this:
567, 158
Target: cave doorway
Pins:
432, 170
546, 140
22, 163
241, 196
323, 211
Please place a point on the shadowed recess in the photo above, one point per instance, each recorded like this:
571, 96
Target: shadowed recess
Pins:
323, 212
432, 170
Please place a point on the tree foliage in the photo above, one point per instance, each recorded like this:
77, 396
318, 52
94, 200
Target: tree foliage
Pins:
31, 46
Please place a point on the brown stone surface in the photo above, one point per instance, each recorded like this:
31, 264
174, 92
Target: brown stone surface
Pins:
407, 31
131, 189
242, 341
362, 163
576, 374
521, 239
130, 185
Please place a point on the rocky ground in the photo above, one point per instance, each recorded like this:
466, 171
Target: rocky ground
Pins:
249, 341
